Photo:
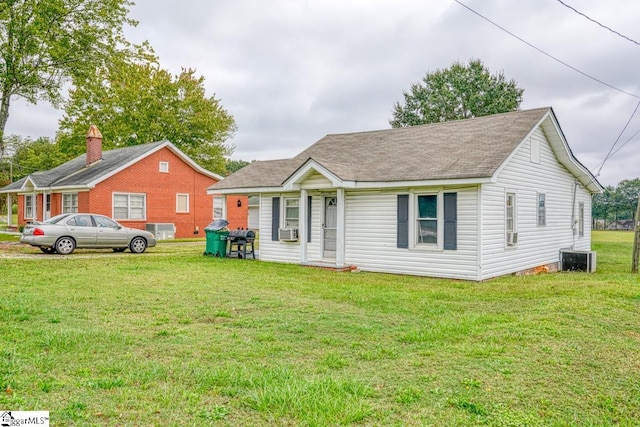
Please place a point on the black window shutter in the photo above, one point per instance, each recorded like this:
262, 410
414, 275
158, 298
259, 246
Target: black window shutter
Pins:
403, 221
309, 200
275, 217
450, 220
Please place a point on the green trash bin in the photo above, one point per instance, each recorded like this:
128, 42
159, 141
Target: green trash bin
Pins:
216, 234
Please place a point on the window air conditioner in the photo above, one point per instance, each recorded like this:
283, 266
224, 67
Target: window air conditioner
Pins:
288, 234
578, 261
512, 239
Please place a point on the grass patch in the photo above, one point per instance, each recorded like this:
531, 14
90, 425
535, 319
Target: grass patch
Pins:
9, 237
174, 337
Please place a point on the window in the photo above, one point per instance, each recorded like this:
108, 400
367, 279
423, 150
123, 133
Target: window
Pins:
581, 219
30, 206
218, 210
182, 203
254, 201
542, 209
510, 219
427, 219
129, 206
164, 167
70, 203
291, 213
432, 219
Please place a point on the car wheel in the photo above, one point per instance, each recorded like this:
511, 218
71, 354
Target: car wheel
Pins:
65, 245
119, 249
138, 245
48, 250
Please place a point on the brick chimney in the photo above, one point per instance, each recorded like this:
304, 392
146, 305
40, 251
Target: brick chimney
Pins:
94, 145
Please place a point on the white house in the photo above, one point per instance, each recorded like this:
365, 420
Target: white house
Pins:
469, 199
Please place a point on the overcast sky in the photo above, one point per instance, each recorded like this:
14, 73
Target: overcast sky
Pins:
292, 71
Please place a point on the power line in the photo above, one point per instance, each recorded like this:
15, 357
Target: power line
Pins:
624, 143
618, 138
548, 54
611, 151
596, 22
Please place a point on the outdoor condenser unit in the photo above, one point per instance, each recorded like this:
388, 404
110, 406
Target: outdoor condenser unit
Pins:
162, 231
578, 261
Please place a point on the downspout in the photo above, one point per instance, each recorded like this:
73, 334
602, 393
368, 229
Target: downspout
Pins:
196, 229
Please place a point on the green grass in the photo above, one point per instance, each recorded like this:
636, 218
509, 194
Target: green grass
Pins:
175, 338
6, 237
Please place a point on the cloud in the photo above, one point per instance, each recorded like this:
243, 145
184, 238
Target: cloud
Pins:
291, 71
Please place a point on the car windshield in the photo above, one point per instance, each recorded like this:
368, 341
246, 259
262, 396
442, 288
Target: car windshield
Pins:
56, 219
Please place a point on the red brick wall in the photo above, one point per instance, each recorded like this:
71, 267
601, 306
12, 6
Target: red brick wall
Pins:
56, 204
84, 204
21, 220
238, 216
161, 190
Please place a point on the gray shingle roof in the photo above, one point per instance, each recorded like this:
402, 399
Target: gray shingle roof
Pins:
76, 173
472, 148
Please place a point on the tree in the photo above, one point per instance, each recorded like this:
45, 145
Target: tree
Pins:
604, 205
31, 156
628, 191
136, 102
46, 43
235, 166
23, 157
459, 92
617, 203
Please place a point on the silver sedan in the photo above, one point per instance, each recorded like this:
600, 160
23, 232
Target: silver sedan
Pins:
64, 233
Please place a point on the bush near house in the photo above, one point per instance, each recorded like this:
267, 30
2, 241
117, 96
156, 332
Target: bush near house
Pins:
176, 338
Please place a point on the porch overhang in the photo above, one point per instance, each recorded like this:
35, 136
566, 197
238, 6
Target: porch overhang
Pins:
309, 168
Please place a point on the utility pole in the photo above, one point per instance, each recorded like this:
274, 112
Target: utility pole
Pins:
636, 240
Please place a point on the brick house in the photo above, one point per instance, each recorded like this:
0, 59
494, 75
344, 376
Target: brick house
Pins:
139, 186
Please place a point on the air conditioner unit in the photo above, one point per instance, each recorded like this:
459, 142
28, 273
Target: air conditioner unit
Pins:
162, 231
512, 239
288, 234
578, 261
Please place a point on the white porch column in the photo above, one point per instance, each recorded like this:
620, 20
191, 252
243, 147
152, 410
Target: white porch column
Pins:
9, 211
302, 225
340, 228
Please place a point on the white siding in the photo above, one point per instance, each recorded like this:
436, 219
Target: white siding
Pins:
315, 181
371, 234
274, 250
537, 245
371, 222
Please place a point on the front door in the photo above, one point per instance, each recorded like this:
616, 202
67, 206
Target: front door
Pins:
329, 227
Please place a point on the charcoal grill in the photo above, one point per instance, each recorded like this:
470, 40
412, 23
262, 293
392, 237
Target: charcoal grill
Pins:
241, 243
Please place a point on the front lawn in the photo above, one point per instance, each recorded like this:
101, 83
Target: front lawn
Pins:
171, 337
